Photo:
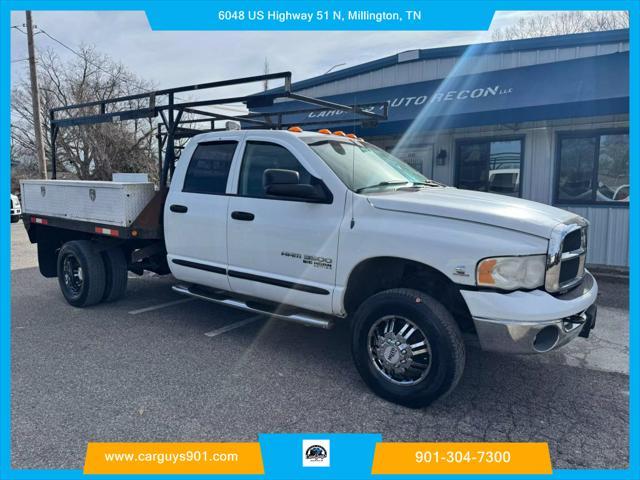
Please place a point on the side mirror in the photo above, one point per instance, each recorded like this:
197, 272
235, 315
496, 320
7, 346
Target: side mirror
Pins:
278, 176
286, 183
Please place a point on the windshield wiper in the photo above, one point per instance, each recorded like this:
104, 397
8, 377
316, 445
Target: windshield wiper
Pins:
430, 183
381, 184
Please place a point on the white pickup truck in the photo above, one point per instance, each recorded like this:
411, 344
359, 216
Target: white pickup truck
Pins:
320, 227
275, 221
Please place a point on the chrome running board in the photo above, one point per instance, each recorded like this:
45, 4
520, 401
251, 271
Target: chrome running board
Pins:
302, 317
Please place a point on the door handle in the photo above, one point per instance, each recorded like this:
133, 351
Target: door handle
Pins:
246, 216
178, 208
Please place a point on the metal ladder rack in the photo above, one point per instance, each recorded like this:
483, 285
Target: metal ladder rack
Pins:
172, 125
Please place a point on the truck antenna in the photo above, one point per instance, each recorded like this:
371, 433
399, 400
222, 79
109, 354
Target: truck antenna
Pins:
353, 171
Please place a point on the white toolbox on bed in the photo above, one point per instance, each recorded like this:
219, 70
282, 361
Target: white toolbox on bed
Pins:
111, 203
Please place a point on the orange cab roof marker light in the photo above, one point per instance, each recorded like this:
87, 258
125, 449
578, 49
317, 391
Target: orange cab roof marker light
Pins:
352, 135
326, 131
295, 129
340, 133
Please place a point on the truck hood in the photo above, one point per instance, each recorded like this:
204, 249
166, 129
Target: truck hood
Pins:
487, 208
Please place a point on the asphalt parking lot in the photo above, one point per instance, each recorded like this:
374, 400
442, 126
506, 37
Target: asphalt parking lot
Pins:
158, 367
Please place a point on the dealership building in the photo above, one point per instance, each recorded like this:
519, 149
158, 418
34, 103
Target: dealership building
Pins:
545, 119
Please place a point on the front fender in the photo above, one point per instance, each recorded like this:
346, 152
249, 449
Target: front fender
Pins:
451, 246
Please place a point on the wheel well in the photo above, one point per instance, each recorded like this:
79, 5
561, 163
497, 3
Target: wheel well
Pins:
49, 241
383, 273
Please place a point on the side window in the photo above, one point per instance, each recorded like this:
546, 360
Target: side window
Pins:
209, 168
575, 176
260, 156
593, 167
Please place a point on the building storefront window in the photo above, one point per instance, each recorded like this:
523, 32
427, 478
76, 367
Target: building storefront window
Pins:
490, 165
593, 167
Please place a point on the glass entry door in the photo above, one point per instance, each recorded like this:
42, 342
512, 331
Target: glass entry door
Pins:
490, 166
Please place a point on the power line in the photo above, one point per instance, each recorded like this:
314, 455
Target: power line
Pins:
19, 29
41, 30
78, 54
84, 58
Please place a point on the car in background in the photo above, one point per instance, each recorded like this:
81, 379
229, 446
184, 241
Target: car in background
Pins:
16, 209
505, 181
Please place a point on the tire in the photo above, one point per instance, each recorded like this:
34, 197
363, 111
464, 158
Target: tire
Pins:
116, 274
86, 280
440, 366
15, 218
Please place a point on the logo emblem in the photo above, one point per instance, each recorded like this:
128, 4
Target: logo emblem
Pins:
92, 194
461, 270
315, 453
43, 190
392, 354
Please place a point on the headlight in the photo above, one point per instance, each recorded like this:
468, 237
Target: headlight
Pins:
511, 273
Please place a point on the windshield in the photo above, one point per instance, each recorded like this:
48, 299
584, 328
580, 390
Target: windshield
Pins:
362, 166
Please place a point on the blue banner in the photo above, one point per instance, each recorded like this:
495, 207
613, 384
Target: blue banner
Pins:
575, 88
328, 15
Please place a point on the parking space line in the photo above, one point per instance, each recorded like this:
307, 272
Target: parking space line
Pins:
234, 325
161, 305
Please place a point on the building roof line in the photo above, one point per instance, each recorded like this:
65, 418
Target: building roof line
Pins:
556, 41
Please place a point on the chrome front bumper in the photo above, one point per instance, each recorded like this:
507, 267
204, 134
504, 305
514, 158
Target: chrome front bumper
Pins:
517, 324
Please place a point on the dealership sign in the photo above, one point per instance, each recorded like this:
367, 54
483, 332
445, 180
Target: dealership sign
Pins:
573, 88
438, 96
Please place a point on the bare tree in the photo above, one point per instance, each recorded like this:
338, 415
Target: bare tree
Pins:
26, 167
88, 151
562, 23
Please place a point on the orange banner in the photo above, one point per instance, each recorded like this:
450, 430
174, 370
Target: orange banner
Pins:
173, 458
461, 458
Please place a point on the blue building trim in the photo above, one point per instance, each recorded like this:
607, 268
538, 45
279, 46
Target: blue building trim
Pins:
583, 87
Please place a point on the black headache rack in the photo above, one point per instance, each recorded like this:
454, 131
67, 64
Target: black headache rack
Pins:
174, 126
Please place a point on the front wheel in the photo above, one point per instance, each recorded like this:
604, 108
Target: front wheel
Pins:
407, 347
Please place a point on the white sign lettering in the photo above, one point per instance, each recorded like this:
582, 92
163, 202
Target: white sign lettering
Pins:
438, 97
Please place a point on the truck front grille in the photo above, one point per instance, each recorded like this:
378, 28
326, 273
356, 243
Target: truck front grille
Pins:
566, 256
573, 241
570, 269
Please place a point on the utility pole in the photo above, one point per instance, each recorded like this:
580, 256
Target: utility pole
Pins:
266, 72
35, 99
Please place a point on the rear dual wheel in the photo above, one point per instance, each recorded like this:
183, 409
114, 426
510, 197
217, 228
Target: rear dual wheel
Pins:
116, 273
88, 275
